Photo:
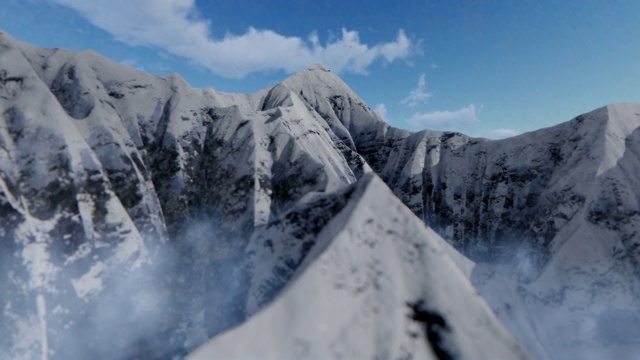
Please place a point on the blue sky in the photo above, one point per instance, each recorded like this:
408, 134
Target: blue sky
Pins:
484, 68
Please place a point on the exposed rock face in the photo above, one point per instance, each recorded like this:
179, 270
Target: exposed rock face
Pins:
180, 212
490, 198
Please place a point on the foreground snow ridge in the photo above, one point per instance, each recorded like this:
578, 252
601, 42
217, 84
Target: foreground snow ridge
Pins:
381, 285
143, 218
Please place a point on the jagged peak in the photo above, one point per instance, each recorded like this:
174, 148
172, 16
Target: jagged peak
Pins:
318, 77
333, 99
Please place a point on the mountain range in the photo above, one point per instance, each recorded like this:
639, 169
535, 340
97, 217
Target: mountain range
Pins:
143, 218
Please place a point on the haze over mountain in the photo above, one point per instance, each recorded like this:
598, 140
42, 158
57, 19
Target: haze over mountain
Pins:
140, 217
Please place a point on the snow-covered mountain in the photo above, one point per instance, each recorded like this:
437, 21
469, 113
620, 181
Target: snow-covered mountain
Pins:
375, 284
140, 217
134, 206
108, 172
551, 216
556, 210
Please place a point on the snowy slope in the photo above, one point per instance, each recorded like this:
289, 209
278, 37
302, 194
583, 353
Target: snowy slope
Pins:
96, 155
552, 215
588, 291
63, 227
183, 212
379, 285
556, 210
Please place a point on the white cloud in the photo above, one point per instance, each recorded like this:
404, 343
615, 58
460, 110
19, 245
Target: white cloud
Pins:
174, 26
418, 94
502, 133
442, 120
381, 110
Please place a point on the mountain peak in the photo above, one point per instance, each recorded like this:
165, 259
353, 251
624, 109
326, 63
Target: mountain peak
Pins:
315, 75
333, 99
318, 67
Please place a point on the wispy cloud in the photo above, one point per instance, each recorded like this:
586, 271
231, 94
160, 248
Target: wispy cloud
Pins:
174, 26
502, 133
417, 95
381, 110
444, 120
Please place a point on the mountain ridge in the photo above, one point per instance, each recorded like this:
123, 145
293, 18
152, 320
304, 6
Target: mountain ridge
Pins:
142, 176
375, 300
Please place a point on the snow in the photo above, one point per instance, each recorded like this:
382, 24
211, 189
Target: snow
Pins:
349, 299
103, 167
48, 170
90, 284
587, 275
42, 316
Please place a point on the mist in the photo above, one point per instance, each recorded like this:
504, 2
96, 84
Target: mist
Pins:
189, 290
588, 318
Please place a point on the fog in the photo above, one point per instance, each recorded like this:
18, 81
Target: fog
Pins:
192, 287
589, 316
195, 286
